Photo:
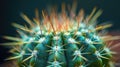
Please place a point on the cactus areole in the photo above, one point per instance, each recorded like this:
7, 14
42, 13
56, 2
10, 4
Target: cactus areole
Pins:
64, 39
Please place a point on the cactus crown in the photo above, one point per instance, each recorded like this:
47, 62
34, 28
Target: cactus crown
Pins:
61, 40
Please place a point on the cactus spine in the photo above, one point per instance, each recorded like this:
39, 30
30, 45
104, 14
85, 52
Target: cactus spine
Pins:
61, 40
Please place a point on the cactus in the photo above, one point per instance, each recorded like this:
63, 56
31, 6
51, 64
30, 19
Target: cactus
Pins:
61, 40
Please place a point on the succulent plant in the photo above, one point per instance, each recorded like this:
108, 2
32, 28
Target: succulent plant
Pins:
62, 40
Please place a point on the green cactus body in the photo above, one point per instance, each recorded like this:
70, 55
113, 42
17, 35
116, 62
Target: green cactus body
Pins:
61, 41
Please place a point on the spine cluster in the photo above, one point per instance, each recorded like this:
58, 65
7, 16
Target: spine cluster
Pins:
62, 40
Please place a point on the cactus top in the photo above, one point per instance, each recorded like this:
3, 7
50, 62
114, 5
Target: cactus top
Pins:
61, 40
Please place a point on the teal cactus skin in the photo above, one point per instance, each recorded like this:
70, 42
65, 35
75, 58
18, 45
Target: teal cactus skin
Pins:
54, 43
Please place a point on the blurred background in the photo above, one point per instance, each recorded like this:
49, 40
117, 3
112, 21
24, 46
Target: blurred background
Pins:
10, 12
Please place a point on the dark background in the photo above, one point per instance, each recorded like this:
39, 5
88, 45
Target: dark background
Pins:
10, 12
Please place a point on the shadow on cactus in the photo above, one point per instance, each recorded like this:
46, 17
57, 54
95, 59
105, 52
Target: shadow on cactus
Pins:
62, 40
